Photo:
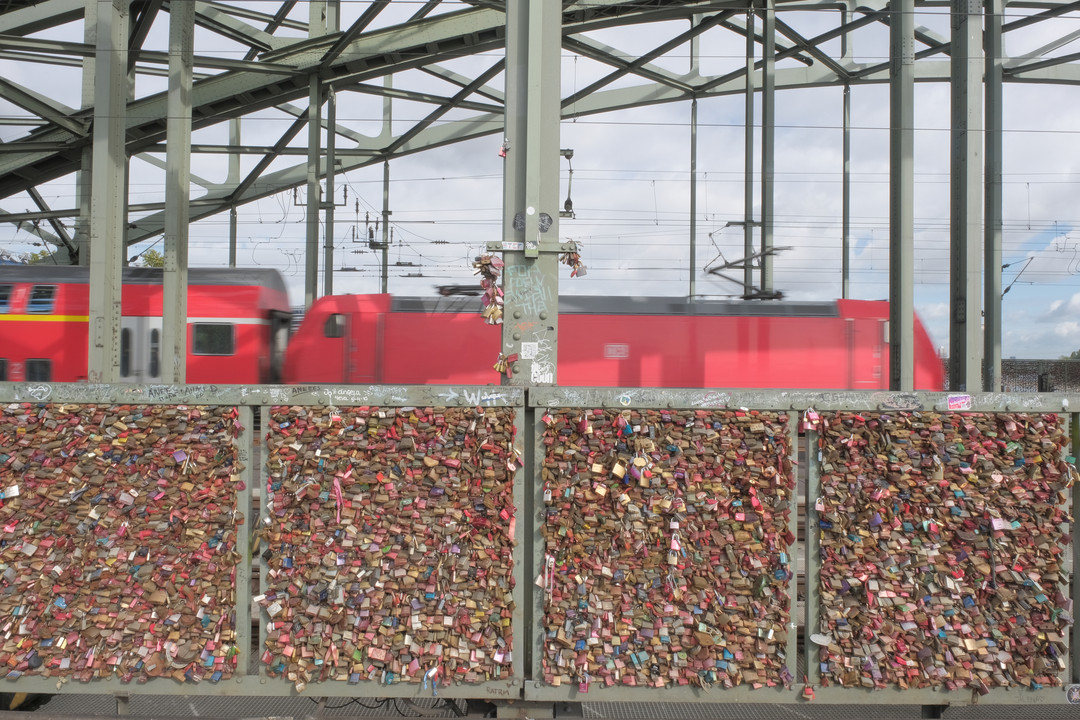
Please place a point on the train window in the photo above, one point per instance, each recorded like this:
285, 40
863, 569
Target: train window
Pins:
335, 326
42, 298
5, 298
155, 352
3, 369
125, 352
212, 339
39, 370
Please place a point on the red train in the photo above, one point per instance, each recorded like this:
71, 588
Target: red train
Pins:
606, 341
238, 324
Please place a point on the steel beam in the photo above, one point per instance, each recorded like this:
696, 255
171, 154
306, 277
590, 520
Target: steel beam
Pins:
748, 156
531, 191
106, 196
314, 147
901, 195
992, 197
965, 324
768, 141
173, 347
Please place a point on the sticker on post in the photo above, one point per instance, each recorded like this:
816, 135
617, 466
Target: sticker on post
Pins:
529, 350
959, 402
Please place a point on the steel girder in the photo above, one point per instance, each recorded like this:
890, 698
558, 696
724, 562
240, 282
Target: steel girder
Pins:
281, 57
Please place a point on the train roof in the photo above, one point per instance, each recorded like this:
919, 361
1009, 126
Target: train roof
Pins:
608, 305
75, 274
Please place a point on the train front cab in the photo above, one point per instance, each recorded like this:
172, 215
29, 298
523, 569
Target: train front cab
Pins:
238, 322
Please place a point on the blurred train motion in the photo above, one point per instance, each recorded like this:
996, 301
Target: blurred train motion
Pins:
238, 326
609, 341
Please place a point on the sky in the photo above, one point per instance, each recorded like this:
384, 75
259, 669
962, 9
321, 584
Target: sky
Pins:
631, 188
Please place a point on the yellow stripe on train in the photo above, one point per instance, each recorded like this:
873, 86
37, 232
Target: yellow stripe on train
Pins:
45, 318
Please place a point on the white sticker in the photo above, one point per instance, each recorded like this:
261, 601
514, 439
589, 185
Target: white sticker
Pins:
529, 350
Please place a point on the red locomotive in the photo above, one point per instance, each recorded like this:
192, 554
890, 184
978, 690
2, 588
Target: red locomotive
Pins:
607, 341
238, 324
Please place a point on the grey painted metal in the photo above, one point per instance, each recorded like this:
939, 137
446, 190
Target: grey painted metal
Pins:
249, 477
1074, 636
812, 568
768, 142
233, 180
329, 203
531, 192
107, 199
314, 145
901, 195
748, 156
966, 231
845, 199
48, 110
174, 284
386, 219
800, 400
992, 197
693, 187
83, 181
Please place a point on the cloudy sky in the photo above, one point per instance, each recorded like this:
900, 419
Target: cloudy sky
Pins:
631, 190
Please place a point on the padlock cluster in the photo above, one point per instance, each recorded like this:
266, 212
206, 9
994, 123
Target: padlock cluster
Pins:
943, 539
667, 540
387, 545
118, 550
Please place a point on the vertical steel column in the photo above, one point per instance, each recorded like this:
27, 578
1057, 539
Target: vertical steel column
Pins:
845, 201
233, 221
328, 232
901, 194
333, 25
748, 156
845, 180
768, 144
385, 224
83, 184
233, 180
177, 194
311, 251
694, 42
693, 190
965, 276
531, 190
107, 226
812, 548
316, 28
992, 199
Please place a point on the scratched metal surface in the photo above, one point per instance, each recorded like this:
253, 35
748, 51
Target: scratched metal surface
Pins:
268, 707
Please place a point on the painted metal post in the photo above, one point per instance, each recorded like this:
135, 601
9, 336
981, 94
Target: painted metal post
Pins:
177, 195
965, 325
385, 225
845, 181
992, 199
311, 252
107, 226
748, 157
768, 141
531, 191
901, 195
83, 180
233, 180
693, 195
328, 202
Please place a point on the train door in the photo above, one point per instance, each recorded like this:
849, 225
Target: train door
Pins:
140, 349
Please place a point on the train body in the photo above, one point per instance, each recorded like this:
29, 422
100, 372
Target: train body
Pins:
606, 341
237, 326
